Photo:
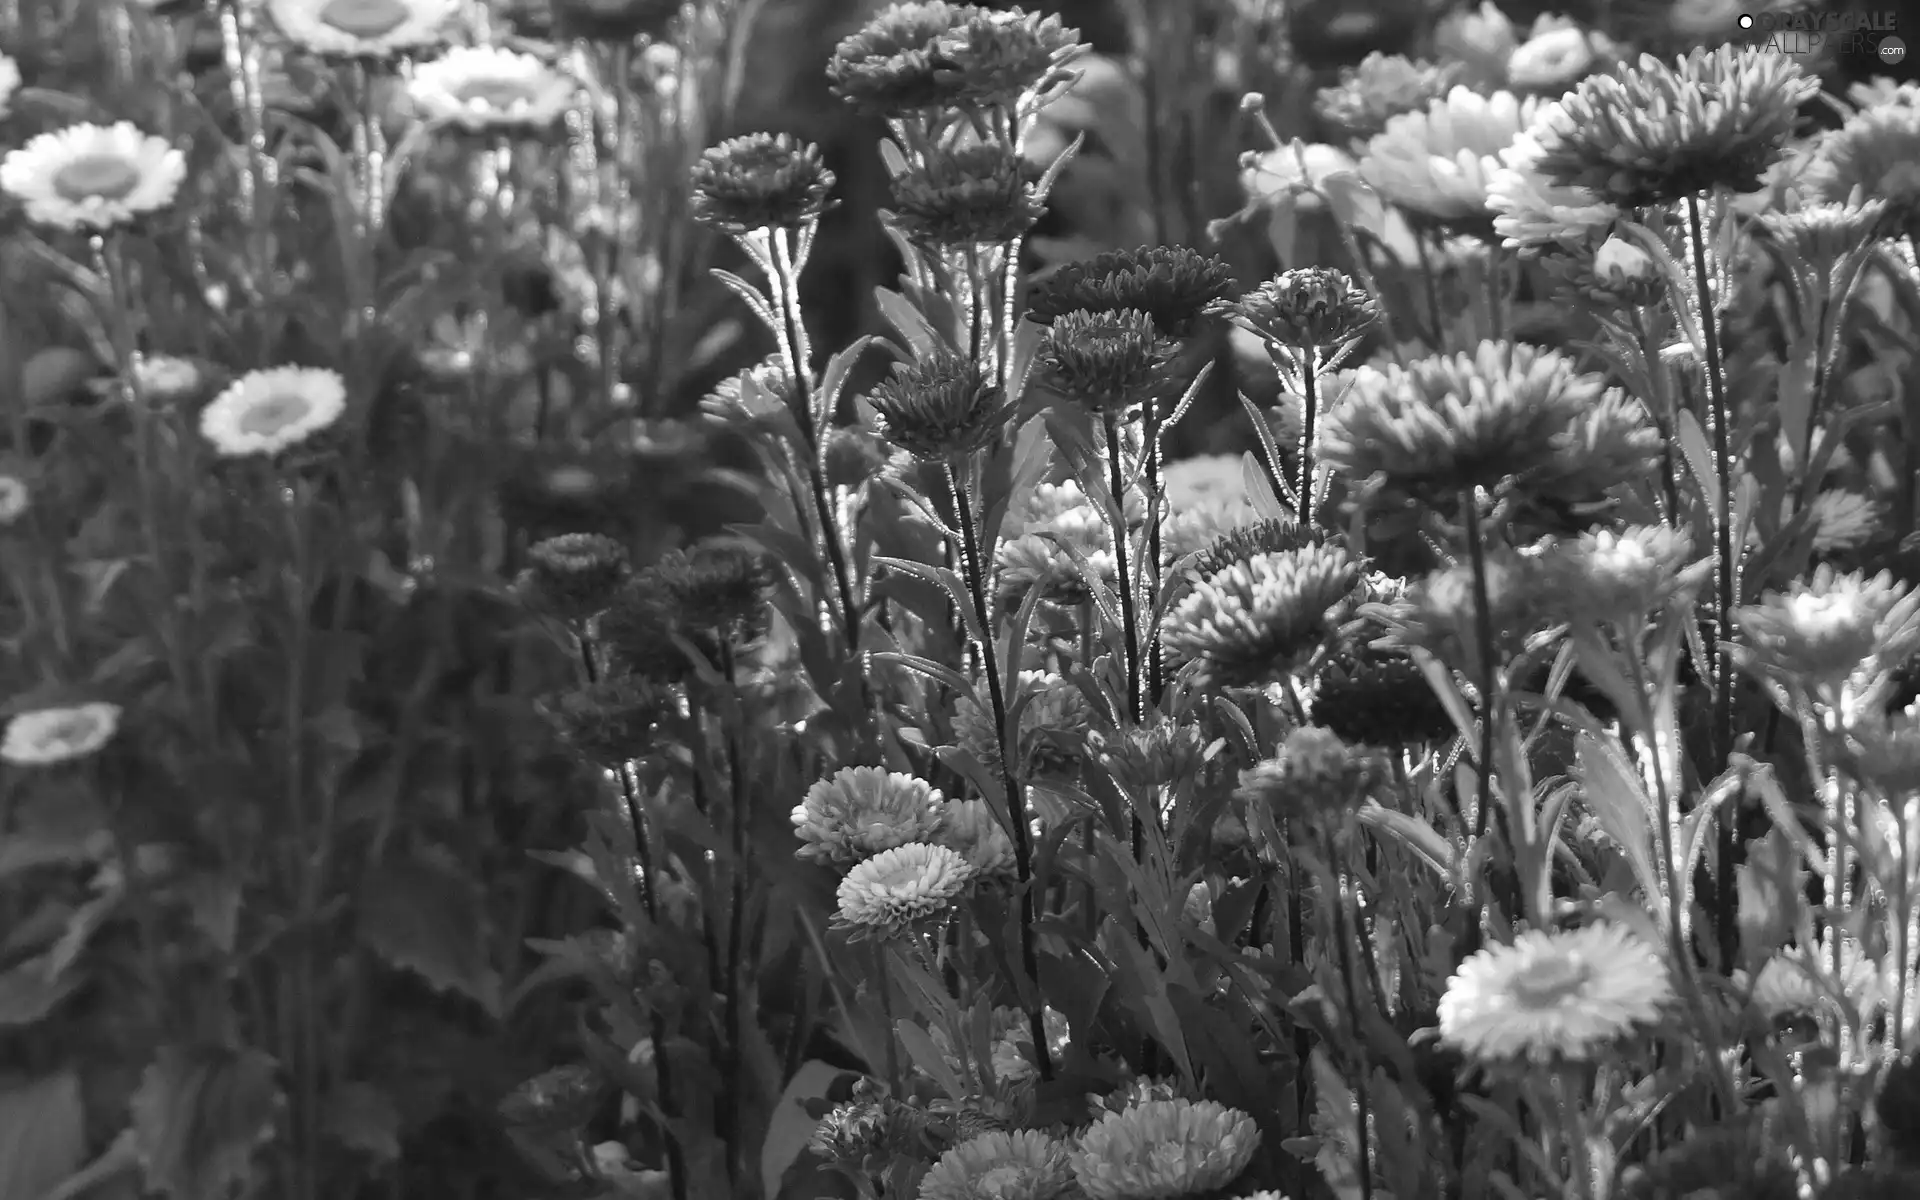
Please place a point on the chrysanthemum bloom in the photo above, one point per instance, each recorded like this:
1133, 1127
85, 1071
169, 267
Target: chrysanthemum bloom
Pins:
1382, 87
1373, 697
1316, 777
1306, 307
1554, 995
1013, 1056
1034, 560
711, 597
44, 737
1831, 633
760, 181
1196, 525
1160, 753
892, 66
362, 28
93, 177
1557, 54
1434, 164
1876, 153
1617, 578
1439, 613
868, 1131
1506, 416
1106, 362
485, 88
1023, 1165
1272, 535
1797, 982
977, 195
1172, 285
969, 829
1840, 520
995, 59
1532, 212
267, 412
751, 397
1819, 236
1052, 727
898, 888
1886, 750
9, 81
1482, 38
575, 575
1300, 178
941, 408
859, 812
614, 21
1883, 91
1654, 132
1254, 621
15, 498
610, 722
1164, 1148
1619, 274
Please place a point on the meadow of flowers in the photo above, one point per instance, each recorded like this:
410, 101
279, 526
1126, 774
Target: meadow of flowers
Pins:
454, 747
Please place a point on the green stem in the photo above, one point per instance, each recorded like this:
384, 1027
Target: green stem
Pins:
1309, 413
1489, 672
1123, 568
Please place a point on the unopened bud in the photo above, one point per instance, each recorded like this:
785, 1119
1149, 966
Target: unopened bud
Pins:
1253, 102
1620, 262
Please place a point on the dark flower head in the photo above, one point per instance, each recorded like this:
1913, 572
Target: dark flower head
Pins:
939, 409
993, 59
1310, 306
551, 494
1171, 284
1382, 87
1653, 132
1273, 535
610, 722
869, 1131
968, 197
1252, 622
614, 20
1316, 778
1106, 361
1160, 753
573, 576
891, 68
760, 181
712, 597
1374, 697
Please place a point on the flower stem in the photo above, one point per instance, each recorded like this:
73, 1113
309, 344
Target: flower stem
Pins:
1489, 672
1344, 941
1123, 568
736, 919
1156, 505
1016, 795
1309, 414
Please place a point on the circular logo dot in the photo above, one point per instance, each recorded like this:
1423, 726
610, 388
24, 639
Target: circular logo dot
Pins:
1746, 20
1892, 50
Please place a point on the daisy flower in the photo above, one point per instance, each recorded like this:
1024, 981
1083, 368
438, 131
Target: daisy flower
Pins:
491, 88
266, 412
1832, 633
1023, 1165
15, 497
1164, 1148
48, 736
1553, 995
1557, 54
896, 888
93, 177
362, 28
1531, 212
859, 812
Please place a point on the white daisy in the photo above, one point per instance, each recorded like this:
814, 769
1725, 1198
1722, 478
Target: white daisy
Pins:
165, 378
15, 497
265, 412
897, 887
93, 176
1436, 163
48, 736
1530, 211
490, 87
1557, 55
1553, 995
362, 28
9, 81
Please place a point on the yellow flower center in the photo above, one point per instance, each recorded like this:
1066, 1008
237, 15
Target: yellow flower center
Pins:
1552, 982
365, 18
102, 176
274, 413
498, 95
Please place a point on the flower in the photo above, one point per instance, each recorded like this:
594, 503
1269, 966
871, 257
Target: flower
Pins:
362, 28
1819, 237
1886, 750
1553, 995
890, 68
166, 378
1374, 697
1107, 362
1161, 753
15, 498
1382, 87
1883, 91
1435, 163
1831, 633
1195, 524
563, 1098
710, 598
859, 812
1482, 38
1557, 54
43, 737
1022, 1165
1164, 1148
867, 1130
9, 81
267, 412
1171, 285
760, 181
1531, 211
940, 408
1875, 153
93, 177
575, 575
1013, 1056
1316, 777
1306, 308
967, 197
1796, 982
969, 829
996, 59
1618, 578
1269, 535
1439, 613
614, 21
1035, 560
1251, 622
482, 88
897, 888
1653, 132
1051, 726
611, 722
1842, 520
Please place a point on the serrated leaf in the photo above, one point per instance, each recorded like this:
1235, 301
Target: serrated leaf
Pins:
425, 919
43, 1134
198, 1116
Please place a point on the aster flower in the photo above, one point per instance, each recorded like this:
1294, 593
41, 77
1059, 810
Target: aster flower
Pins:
969, 829
1271, 535
1382, 87
1013, 1056
1171, 285
1482, 38
1798, 982
1618, 578
1051, 727
1556, 54
1654, 132
1439, 613
167, 379
1876, 153
996, 59
760, 181
1194, 526
1305, 178
1164, 1148
1820, 236
1160, 754
614, 21
1434, 164
1306, 307
868, 1131
362, 28
1831, 633
1023, 1165
271, 411
711, 597
573, 576
1883, 91
1255, 620
1885, 749
859, 812
1106, 361
1035, 560
491, 88
1374, 697
885, 895
1533, 212
1316, 777
941, 408
1841, 520
891, 67
1551, 996
93, 177
968, 197
610, 722
1617, 274
45, 737
751, 397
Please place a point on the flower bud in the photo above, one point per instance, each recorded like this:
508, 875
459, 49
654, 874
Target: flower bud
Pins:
1621, 263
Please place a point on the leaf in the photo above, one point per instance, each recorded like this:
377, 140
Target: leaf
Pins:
1614, 794
1693, 446
30, 991
199, 1114
43, 1134
920, 1047
425, 919
361, 1117
908, 322
792, 1124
